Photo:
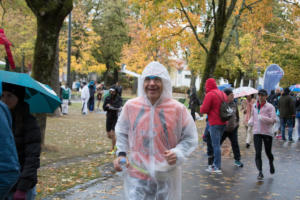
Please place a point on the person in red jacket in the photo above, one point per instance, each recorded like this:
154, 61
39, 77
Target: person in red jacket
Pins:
211, 106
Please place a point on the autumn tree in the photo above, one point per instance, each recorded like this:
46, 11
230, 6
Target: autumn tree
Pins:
83, 40
19, 25
283, 33
109, 23
50, 16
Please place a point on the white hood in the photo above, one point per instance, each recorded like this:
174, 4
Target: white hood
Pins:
156, 69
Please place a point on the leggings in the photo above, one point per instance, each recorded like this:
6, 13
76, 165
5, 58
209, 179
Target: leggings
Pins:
258, 140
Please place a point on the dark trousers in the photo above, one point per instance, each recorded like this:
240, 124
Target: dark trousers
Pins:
210, 150
258, 140
233, 137
193, 113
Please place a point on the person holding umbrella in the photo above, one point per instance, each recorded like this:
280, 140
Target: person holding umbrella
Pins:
9, 163
27, 137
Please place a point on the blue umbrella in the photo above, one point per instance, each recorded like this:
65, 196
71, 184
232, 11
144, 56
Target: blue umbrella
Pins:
40, 97
295, 88
222, 87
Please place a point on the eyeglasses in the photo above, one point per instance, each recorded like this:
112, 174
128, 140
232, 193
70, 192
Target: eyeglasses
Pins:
156, 79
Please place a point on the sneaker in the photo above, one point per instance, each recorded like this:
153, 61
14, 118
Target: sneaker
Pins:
278, 137
283, 139
214, 170
112, 152
238, 163
272, 169
247, 145
260, 176
209, 168
291, 140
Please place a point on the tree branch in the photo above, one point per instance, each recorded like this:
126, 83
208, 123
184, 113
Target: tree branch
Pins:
4, 12
174, 34
192, 27
293, 3
208, 22
231, 8
214, 13
234, 26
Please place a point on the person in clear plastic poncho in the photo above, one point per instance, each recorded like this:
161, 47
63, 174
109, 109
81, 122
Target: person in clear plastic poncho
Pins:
156, 134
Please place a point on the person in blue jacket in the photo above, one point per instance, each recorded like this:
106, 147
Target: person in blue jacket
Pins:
9, 163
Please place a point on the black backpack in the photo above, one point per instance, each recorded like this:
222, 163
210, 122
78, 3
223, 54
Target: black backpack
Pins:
226, 111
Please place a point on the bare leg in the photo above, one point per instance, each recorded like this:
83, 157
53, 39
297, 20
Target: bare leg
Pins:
113, 140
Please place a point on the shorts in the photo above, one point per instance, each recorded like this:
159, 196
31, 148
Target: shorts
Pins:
111, 123
99, 97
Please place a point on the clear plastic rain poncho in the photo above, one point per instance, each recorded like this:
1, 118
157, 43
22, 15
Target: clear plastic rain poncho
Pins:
145, 131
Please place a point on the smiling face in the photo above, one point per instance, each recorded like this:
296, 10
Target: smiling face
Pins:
153, 87
9, 99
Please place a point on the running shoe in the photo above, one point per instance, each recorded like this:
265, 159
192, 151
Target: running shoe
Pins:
238, 163
272, 168
260, 176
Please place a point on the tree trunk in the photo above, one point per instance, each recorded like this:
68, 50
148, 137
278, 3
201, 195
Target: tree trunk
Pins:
116, 75
105, 75
245, 81
193, 79
213, 53
239, 78
55, 77
50, 17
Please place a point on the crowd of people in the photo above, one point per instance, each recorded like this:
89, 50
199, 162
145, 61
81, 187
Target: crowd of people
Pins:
153, 133
264, 118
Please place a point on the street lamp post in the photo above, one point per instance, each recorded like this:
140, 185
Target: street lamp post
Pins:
69, 51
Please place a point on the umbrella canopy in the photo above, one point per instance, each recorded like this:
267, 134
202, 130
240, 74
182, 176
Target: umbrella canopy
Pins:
295, 88
244, 91
222, 87
40, 97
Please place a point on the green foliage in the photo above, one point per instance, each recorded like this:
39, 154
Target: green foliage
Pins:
282, 32
111, 26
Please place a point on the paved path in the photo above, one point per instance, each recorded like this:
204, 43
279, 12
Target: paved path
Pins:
234, 183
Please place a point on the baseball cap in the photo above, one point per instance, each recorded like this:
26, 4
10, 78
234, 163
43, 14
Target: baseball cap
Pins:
263, 92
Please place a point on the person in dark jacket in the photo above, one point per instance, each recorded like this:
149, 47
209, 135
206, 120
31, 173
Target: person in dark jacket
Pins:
194, 102
119, 89
271, 98
286, 106
231, 129
298, 114
112, 105
27, 137
92, 90
9, 163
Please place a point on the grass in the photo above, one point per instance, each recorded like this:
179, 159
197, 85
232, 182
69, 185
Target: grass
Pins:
74, 135
70, 136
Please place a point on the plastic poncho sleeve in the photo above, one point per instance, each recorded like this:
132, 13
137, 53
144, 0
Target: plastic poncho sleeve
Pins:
271, 119
9, 163
122, 130
188, 140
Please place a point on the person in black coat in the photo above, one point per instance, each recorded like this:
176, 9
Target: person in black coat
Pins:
112, 105
298, 114
27, 137
92, 90
194, 102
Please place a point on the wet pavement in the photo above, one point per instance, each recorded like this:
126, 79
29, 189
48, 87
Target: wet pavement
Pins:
234, 183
